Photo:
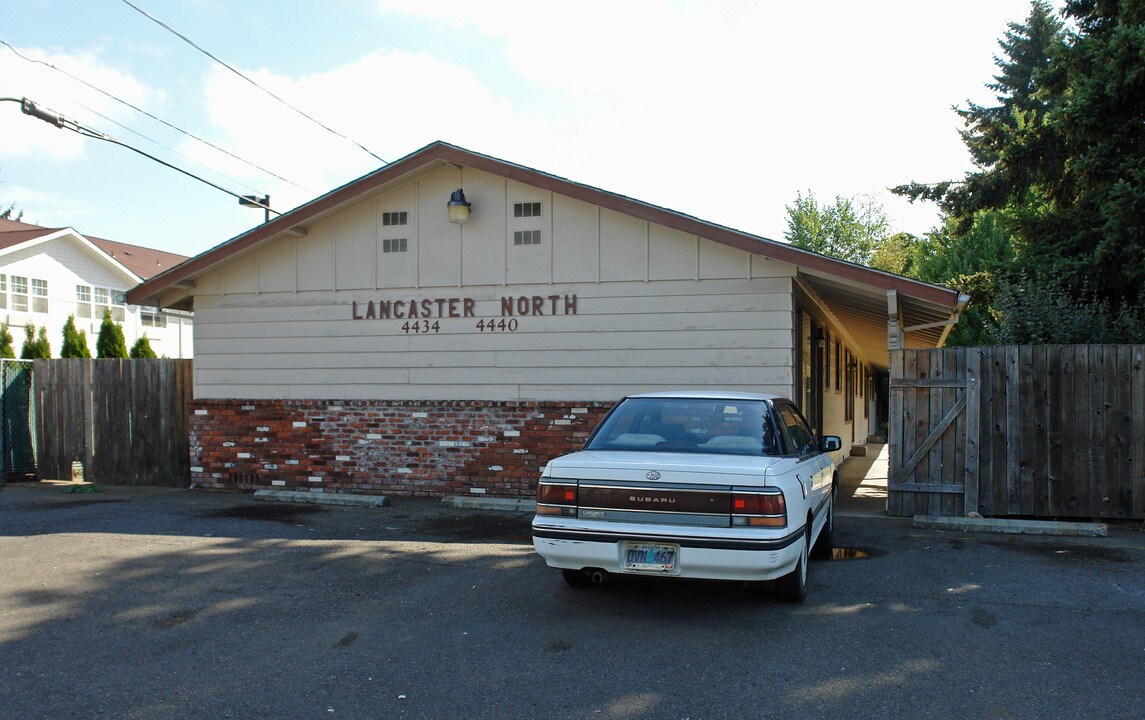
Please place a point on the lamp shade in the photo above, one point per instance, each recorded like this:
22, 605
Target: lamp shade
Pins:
458, 207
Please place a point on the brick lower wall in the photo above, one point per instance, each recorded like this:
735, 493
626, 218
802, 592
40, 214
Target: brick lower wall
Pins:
425, 448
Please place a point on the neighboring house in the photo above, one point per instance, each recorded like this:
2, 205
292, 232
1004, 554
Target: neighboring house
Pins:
363, 342
47, 274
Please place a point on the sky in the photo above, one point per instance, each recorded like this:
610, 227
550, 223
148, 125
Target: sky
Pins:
726, 110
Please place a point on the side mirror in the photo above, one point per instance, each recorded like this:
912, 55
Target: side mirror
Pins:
831, 443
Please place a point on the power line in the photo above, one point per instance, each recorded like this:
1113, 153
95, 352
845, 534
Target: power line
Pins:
192, 43
153, 117
30, 108
364, 24
161, 145
144, 137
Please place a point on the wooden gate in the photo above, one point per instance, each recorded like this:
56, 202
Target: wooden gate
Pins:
125, 420
1022, 431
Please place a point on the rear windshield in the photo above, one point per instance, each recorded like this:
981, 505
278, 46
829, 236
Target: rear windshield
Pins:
722, 427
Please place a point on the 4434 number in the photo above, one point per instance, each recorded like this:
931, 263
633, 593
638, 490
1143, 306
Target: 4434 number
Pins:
424, 326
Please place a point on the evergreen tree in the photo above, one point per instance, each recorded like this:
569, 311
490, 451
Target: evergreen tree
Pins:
75, 341
142, 349
1062, 156
110, 343
45, 347
7, 350
35, 345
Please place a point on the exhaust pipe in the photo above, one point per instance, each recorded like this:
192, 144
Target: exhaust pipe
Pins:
598, 576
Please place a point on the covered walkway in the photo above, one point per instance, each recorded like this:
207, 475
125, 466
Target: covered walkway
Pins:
863, 484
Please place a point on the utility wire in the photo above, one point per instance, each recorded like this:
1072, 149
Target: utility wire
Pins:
30, 108
138, 134
161, 145
364, 24
192, 43
128, 129
153, 117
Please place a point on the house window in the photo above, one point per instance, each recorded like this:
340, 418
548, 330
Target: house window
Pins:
152, 317
19, 293
39, 295
526, 237
83, 301
395, 245
849, 390
397, 217
101, 301
838, 367
526, 209
3, 291
106, 299
826, 359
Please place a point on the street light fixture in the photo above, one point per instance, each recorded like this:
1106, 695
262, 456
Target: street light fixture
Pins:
254, 201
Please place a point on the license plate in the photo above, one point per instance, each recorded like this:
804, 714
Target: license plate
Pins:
650, 557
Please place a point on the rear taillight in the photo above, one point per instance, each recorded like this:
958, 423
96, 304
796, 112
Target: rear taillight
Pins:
556, 499
760, 508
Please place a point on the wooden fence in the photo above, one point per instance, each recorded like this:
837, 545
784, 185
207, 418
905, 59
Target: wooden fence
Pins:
1040, 431
125, 420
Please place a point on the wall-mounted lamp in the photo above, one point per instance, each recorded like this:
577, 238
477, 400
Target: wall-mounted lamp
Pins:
458, 207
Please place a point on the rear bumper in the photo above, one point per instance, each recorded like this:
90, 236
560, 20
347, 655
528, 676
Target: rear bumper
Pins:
707, 556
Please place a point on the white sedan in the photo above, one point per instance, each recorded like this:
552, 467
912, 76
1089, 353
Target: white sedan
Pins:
721, 486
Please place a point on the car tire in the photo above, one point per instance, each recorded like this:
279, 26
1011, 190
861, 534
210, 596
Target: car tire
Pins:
792, 587
576, 578
825, 543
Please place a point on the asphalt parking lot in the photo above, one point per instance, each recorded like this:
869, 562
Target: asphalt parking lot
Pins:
156, 603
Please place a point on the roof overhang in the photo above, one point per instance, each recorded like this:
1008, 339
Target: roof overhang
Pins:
862, 312
855, 296
92, 249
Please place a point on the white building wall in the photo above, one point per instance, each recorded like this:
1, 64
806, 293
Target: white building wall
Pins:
621, 305
65, 263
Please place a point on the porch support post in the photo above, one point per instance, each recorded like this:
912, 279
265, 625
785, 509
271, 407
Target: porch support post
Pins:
895, 335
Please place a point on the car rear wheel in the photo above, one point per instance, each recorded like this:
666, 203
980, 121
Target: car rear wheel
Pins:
792, 587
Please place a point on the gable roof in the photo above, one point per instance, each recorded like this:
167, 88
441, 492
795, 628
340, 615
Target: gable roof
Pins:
139, 261
856, 294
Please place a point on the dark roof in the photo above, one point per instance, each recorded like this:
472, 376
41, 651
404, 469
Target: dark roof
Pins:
143, 262
923, 303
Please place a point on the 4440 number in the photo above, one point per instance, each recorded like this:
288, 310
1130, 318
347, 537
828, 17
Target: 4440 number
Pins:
501, 325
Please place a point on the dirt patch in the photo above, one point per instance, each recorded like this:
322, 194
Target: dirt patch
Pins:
479, 527
70, 502
1067, 553
271, 512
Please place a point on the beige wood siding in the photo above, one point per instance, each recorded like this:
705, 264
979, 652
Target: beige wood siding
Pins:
355, 238
576, 241
605, 304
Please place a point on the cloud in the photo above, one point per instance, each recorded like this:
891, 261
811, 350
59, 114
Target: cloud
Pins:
727, 110
390, 102
724, 111
50, 209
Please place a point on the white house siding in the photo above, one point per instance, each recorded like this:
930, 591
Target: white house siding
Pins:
625, 306
65, 263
